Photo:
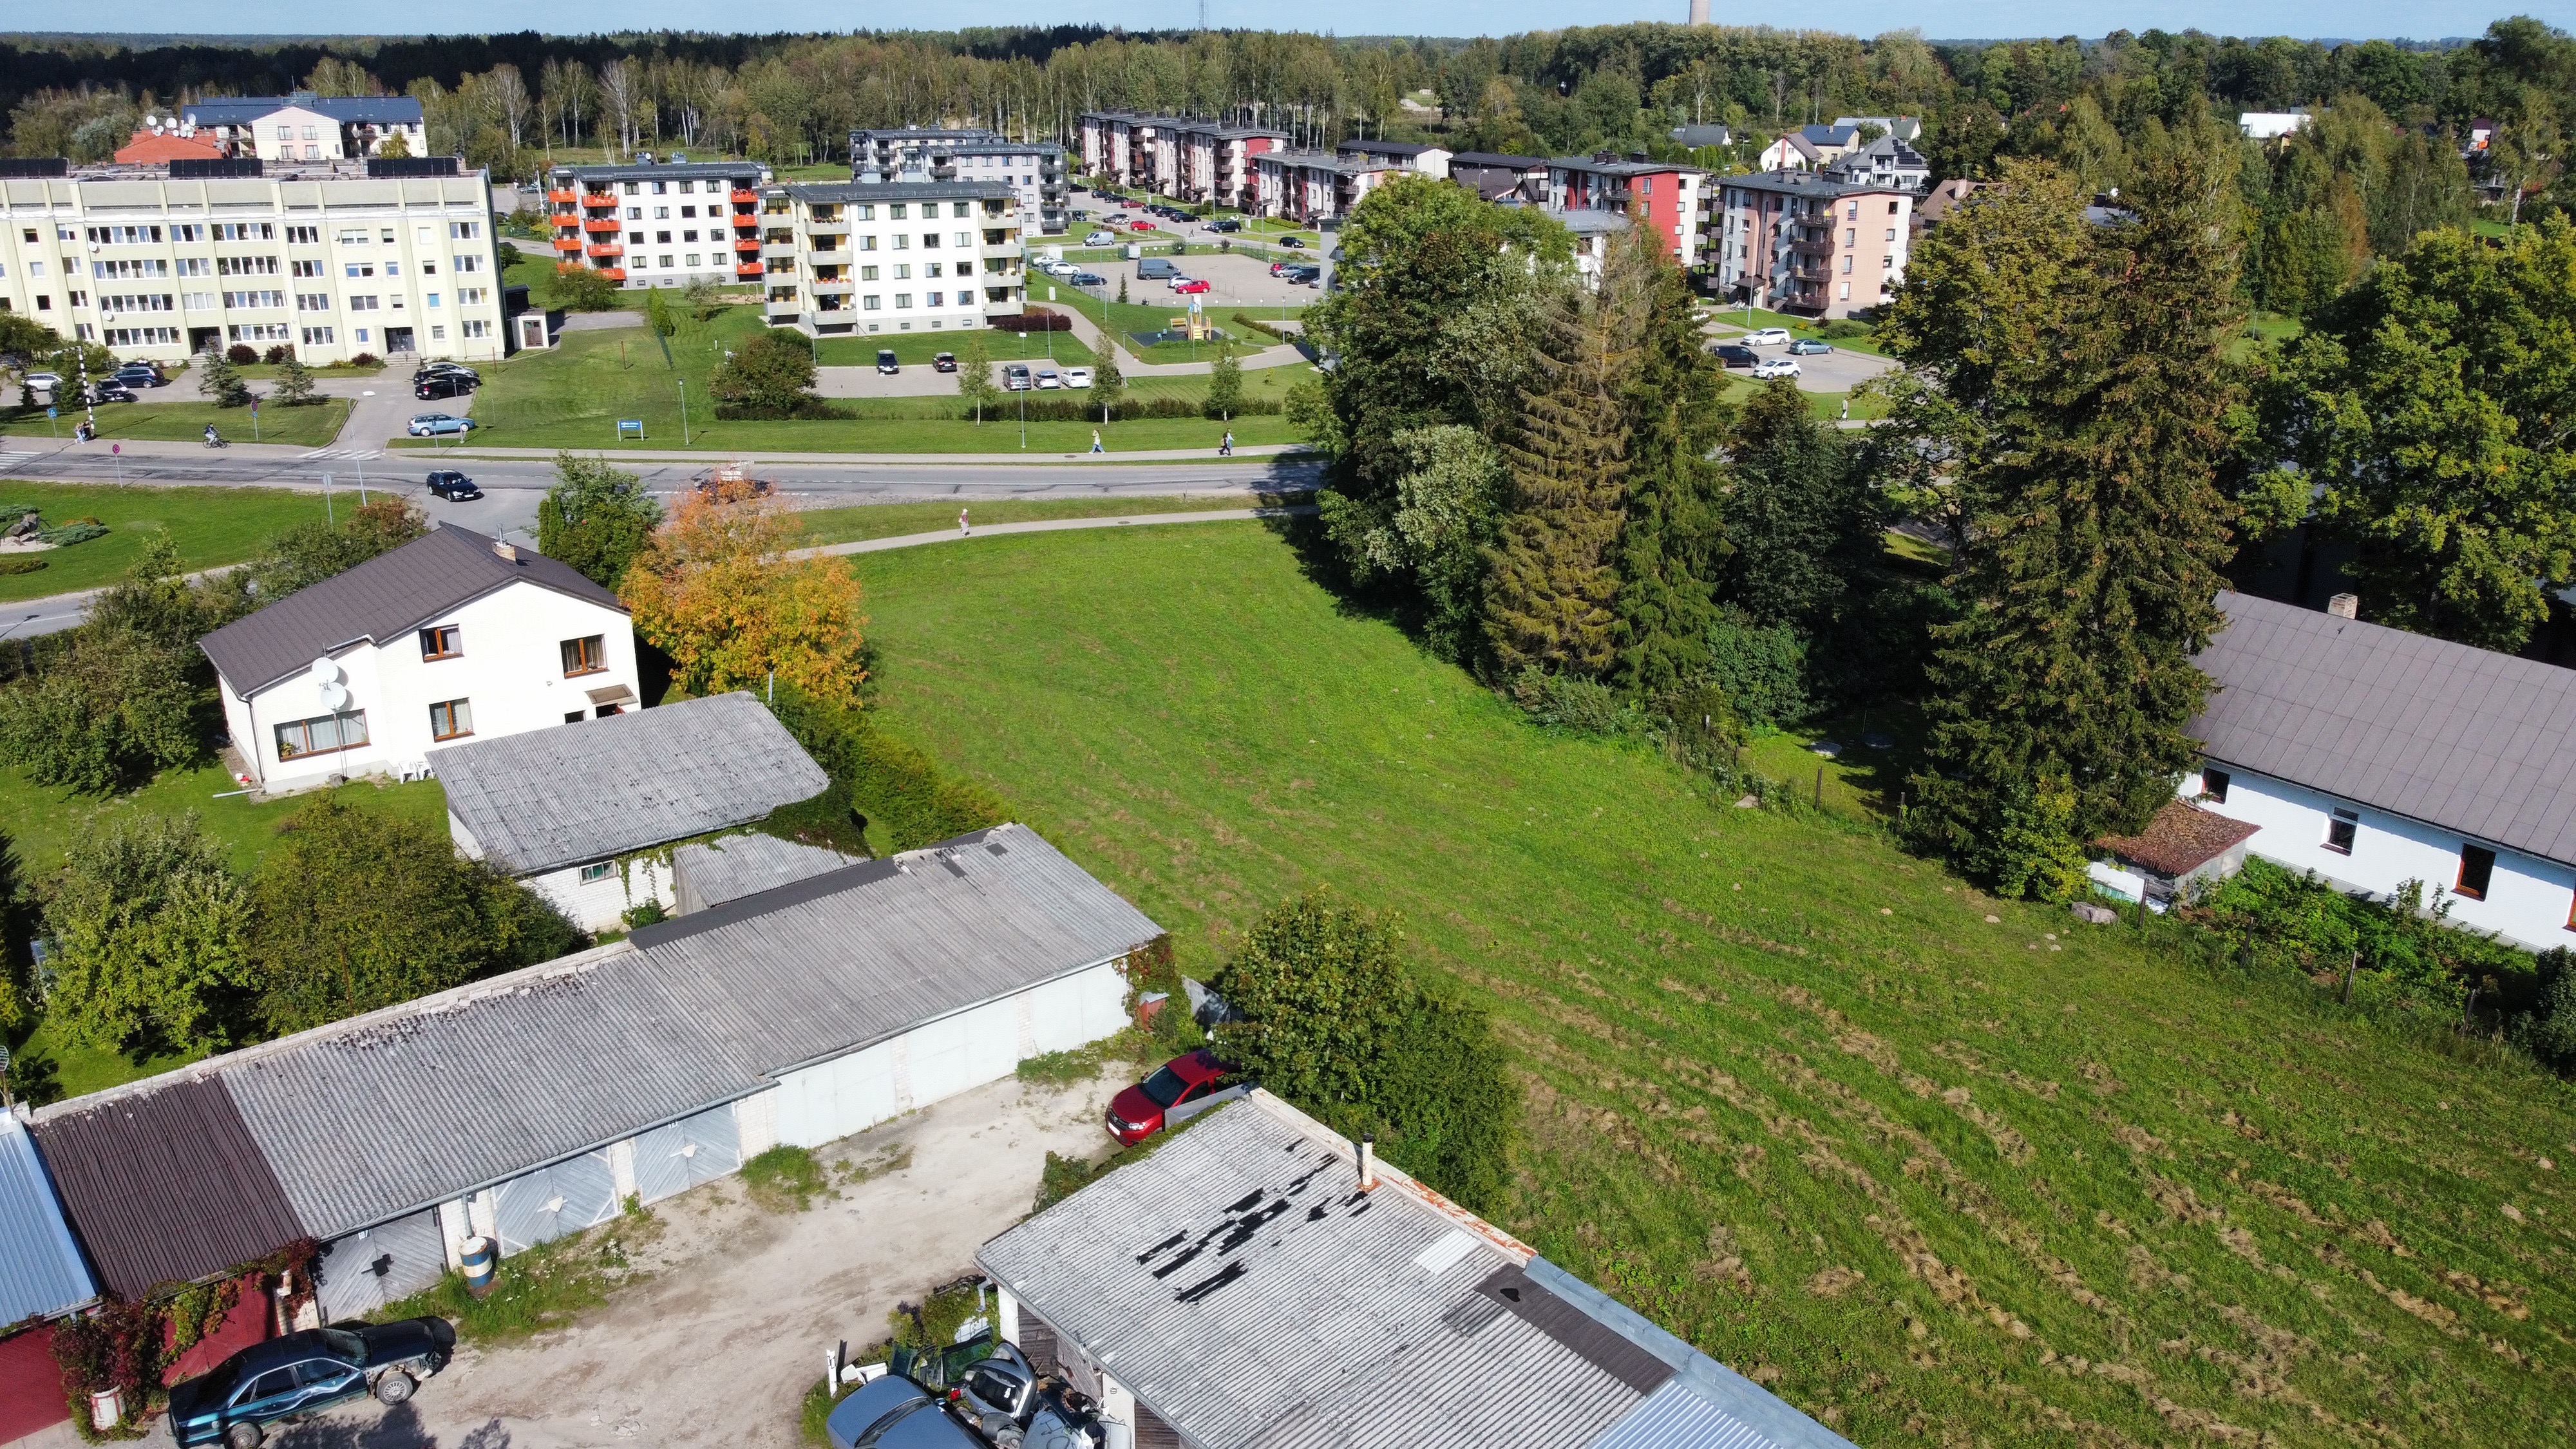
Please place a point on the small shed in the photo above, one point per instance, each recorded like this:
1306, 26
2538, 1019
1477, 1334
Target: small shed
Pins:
2181, 845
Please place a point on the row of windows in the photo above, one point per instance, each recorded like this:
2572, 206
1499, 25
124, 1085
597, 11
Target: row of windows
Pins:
588, 655
711, 185
895, 211
2343, 831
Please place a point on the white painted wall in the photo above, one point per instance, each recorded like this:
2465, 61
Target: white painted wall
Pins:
2528, 901
957, 1053
511, 669
603, 903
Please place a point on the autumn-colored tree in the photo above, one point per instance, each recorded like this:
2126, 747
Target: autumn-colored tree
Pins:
717, 590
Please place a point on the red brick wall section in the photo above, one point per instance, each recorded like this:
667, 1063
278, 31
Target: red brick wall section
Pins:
249, 1322
31, 1386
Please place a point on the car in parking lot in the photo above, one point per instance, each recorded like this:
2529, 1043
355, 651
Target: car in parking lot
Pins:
1077, 377
447, 369
47, 381
1305, 276
1735, 355
1048, 380
1140, 224
1015, 377
110, 392
1190, 284
1100, 239
454, 487
1088, 279
1228, 223
886, 365
1808, 347
1775, 367
431, 425
944, 362
303, 1373
139, 374
1767, 337
441, 385
1137, 1113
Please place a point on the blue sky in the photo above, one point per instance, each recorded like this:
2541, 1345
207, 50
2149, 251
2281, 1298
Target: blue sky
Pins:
1939, 19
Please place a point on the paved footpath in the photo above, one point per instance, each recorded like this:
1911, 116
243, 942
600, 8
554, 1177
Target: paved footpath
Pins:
1055, 525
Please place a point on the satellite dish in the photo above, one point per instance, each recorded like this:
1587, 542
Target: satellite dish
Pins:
325, 670
335, 696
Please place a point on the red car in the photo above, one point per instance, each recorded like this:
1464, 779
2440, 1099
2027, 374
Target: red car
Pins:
1137, 1113
1140, 224
1192, 284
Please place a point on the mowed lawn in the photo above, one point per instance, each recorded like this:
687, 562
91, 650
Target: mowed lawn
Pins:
212, 527
1939, 1180
181, 422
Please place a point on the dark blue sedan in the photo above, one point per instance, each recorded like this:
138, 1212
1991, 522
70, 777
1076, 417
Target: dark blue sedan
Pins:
893, 1412
303, 1373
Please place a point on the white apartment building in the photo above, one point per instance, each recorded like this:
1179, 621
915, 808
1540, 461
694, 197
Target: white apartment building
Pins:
306, 127
320, 255
1033, 169
659, 224
852, 258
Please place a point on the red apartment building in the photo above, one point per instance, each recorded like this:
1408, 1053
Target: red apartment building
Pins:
1661, 194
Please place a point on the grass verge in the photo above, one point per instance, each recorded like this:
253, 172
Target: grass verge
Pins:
893, 520
1935, 1166
543, 1287
211, 526
185, 422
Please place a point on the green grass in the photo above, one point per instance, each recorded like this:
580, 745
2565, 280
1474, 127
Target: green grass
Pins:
1130, 318
2090, 1195
916, 349
185, 422
892, 520
547, 1286
212, 526
1827, 406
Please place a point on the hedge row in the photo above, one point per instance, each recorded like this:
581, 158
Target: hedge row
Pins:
883, 780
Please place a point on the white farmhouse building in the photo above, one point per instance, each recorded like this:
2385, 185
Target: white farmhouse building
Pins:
578, 812
450, 636
2374, 757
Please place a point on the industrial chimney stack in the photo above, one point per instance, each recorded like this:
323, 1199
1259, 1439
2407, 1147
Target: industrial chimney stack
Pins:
1699, 12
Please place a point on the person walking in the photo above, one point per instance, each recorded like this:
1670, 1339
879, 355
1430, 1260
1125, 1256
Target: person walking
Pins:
1846, 409
1095, 442
962, 530
1226, 448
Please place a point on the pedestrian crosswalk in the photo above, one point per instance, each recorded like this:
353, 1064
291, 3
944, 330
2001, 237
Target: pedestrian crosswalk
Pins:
11, 460
331, 453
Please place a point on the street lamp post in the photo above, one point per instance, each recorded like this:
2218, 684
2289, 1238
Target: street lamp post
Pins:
682, 385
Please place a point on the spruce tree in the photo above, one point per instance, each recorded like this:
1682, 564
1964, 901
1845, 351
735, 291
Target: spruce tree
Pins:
1553, 589
1801, 518
1672, 543
2096, 530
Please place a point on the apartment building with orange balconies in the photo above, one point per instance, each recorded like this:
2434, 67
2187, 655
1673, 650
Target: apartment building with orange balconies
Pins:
659, 224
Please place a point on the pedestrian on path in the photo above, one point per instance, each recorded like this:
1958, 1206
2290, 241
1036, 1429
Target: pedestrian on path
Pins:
1226, 448
1846, 409
962, 530
1095, 442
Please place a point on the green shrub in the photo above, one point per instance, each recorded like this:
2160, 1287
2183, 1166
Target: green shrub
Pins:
1762, 669
892, 784
1571, 702
1059, 409
784, 1176
1063, 1177
20, 564
2404, 957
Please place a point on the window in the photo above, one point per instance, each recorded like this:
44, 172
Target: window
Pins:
254, 299
867, 274
452, 719
246, 266
361, 269
478, 329
666, 257
585, 656
362, 304
635, 238
463, 230
689, 259
261, 332
310, 236
438, 334
573, 716
2340, 831
870, 302
346, 730
198, 267
433, 299
469, 264
592, 874
663, 237
317, 337
688, 212
903, 273
312, 301
903, 301
445, 641
308, 269
2477, 871
2213, 786
143, 337
895, 212
634, 213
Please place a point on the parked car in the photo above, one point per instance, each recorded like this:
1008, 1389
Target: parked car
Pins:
1767, 337
1808, 347
48, 381
441, 386
1101, 239
1088, 279
1226, 224
1077, 377
1190, 284
1140, 224
447, 369
1015, 377
305, 1372
944, 362
1137, 1113
454, 487
110, 392
1775, 367
1304, 276
431, 425
1290, 241
1156, 269
886, 365
893, 1412
1736, 356
1279, 268
140, 374
1048, 380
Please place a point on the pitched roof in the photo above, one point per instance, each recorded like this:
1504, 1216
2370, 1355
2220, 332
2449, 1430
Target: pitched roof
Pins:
150, 147
166, 1185
352, 110
710, 873
582, 792
1248, 1293
2180, 839
1824, 135
1407, 149
41, 1269
2459, 738
1497, 159
380, 600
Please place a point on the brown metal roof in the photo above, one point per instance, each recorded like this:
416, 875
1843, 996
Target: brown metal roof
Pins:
383, 598
2181, 839
166, 1185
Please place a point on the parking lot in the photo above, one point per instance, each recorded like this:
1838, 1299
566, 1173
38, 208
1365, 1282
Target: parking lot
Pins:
1232, 282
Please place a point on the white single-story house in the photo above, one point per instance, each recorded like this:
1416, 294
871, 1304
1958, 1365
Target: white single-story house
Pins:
452, 636
1262, 1282
579, 812
2374, 757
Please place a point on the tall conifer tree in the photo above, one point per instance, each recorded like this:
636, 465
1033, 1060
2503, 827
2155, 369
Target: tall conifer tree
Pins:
1673, 541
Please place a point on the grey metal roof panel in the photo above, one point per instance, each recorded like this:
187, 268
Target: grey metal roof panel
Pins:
965, 188
385, 1113
814, 969
583, 792
2460, 738
41, 1268
387, 596
727, 869
236, 110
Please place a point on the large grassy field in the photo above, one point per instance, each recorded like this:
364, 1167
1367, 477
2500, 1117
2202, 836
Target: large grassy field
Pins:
212, 526
1943, 1170
183, 422
892, 520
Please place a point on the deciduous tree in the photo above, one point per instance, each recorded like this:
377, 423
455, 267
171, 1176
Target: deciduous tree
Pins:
716, 591
767, 376
151, 934
596, 518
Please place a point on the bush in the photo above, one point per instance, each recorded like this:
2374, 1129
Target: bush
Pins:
106, 712
20, 564
1035, 319
151, 929
366, 359
1063, 1177
889, 783
2406, 959
1270, 330
277, 354
241, 354
596, 518
1762, 669
582, 289
1571, 702
767, 378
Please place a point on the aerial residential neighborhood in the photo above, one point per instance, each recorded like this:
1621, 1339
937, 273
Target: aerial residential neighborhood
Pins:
1101, 733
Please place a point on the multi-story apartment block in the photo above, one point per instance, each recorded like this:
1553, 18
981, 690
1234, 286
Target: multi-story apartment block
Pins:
1660, 194
1189, 158
1313, 187
890, 256
1411, 155
1795, 241
307, 127
1887, 163
323, 256
658, 225
1034, 169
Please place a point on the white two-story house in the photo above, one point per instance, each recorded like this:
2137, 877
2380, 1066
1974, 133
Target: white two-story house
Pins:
451, 636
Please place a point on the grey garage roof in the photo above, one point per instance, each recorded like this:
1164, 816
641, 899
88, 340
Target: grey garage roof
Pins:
41, 1270
2460, 738
382, 599
1247, 1291
714, 872
818, 968
581, 792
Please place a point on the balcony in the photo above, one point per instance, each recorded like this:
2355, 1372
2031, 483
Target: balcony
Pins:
775, 248
614, 274
567, 243
1812, 248
607, 249
560, 198
748, 269
746, 198
745, 221
831, 286
839, 257
595, 199
603, 223
748, 245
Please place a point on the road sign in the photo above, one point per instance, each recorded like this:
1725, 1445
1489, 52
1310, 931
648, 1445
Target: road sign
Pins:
117, 448
51, 413
636, 425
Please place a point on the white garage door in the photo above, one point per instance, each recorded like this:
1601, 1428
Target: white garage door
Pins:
543, 1205
680, 1155
366, 1270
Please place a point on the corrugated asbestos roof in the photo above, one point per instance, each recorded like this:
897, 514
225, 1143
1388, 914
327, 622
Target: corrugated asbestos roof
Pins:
41, 1270
582, 792
1250, 1295
385, 597
166, 1185
906, 939
734, 866
2460, 738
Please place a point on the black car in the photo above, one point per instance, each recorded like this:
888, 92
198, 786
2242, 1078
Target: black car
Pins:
1735, 355
108, 392
454, 487
886, 365
304, 1373
944, 362
1228, 224
447, 369
442, 386
138, 374
1088, 279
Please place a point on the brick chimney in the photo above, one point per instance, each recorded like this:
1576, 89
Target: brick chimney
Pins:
2344, 606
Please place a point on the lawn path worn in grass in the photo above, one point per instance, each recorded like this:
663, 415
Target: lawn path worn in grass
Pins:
1939, 1179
